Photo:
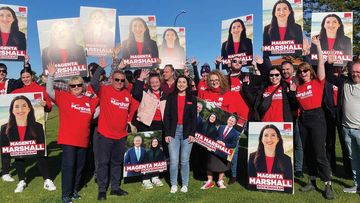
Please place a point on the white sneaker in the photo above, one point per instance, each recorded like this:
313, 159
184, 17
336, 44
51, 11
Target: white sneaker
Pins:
49, 185
221, 184
184, 189
173, 189
7, 178
20, 186
353, 189
147, 184
156, 181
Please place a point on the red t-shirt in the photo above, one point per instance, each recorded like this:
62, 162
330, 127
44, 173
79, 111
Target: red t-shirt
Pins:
34, 87
64, 55
210, 96
202, 86
181, 107
22, 130
236, 84
5, 38
331, 42
116, 109
282, 31
139, 47
269, 163
236, 47
157, 116
75, 116
235, 103
2, 88
336, 91
309, 95
90, 92
289, 80
170, 51
275, 111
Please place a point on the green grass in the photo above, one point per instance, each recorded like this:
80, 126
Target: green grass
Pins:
234, 193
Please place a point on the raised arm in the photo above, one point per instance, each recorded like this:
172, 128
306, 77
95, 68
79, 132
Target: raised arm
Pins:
50, 82
321, 67
95, 83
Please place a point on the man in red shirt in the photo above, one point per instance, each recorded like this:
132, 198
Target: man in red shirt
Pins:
117, 108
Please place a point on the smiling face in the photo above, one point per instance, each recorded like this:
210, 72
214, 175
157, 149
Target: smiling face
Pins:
214, 81
270, 139
138, 29
168, 73
199, 107
170, 37
155, 83
26, 78
118, 81
287, 70
355, 73
137, 141
212, 118
76, 87
274, 77
154, 143
3, 74
181, 84
304, 74
236, 64
21, 109
231, 121
236, 29
6, 20
282, 12
331, 26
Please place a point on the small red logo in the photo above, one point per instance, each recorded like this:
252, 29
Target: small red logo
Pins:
181, 29
348, 15
287, 126
151, 18
249, 18
38, 96
22, 9
297, 1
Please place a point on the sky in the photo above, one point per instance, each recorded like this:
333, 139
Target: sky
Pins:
202, 21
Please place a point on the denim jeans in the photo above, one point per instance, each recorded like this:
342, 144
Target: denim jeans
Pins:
352, 140
180, 146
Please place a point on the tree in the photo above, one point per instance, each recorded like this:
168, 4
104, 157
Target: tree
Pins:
335, 6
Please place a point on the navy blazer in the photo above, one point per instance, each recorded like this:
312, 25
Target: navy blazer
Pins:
129, 49
230, 140
244, 47
130, 159
17, 40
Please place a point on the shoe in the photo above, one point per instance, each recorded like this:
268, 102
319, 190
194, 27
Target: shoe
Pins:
156, 181
101, 196
329, 194
299, 174
232, 180
184, 189
207, 185
221, 184
173, 189
66, 200
147, 184
75, 196
353, 189
7, 178
49, 185
309, 187
119, 192
20, 186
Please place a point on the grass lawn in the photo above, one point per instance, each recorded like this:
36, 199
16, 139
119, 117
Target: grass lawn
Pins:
234, 193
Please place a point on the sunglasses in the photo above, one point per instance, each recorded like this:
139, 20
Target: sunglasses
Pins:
76, 85
119, 80
303, 71
3, 71
276, 75
236, 61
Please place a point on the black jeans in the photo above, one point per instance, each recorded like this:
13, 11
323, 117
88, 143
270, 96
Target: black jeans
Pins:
5, 165
110, 154
312, 127
72, 165
42, 165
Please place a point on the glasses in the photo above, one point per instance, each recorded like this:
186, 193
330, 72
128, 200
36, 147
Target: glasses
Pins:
119, 80
216, 80
276, 75
303, 71
3, 71
236, 61
76, 85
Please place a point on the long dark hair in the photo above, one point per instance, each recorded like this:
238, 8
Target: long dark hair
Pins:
131, 40
14, 30
230, 41
188, 89
30, 118
340, 34
279, 150
274, 27
177, 41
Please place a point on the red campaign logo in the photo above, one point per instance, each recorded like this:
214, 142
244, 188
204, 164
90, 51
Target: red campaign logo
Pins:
249, 18
151, 18
181, 29
37, 96
347, 15
297, 1
287, 126
22, 9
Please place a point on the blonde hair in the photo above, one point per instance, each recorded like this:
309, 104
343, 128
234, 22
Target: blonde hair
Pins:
77, 79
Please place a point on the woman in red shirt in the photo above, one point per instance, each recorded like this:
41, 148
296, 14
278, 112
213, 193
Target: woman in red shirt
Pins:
74, 109
217, 87
309, 95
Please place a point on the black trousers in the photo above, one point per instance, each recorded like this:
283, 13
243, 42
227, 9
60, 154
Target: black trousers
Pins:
72, 165
330, 140
5, 165
110, 154
42, 165
312, 127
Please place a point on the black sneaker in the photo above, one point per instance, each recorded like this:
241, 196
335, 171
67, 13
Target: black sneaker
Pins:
75, 196
309, 187
66, 200
329, 194
299, 174
101, 196
119, 192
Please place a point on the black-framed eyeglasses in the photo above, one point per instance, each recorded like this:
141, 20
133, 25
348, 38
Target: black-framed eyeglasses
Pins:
119, 80
274, 75
236, 61
303, 71
3, 71
216, 80
76, 85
